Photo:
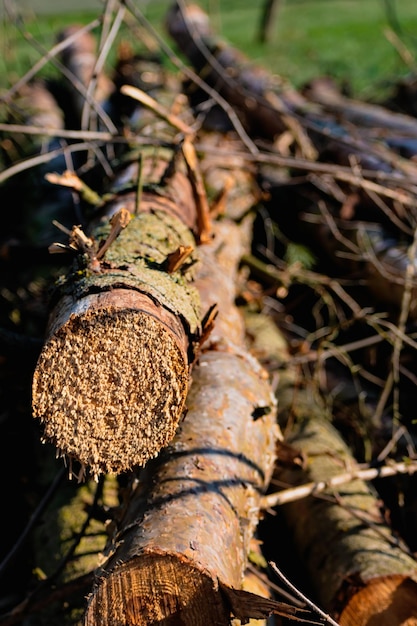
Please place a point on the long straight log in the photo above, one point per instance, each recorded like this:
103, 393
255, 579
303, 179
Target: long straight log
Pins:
180, 552
267, 106
112, 378
381, 120
226, 69
190, 536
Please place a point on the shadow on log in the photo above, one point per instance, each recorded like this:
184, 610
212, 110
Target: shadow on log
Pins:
181, 549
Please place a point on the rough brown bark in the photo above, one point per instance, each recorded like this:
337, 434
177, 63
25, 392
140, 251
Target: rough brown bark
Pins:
185, 536
112, 378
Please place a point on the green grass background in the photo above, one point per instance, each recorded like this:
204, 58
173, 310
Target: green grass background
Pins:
343, 38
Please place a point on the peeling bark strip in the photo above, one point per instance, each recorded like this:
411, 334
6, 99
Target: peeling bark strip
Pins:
357, 567
181, 549
112, 378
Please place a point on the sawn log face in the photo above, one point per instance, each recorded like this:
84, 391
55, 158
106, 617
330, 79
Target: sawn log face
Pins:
112, 378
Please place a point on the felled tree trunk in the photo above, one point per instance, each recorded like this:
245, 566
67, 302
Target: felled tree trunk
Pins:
227, 70
360, 572
88, 89
357, 567
36, 201
370, 117
190, 536
112, 378
270, 109
181, 548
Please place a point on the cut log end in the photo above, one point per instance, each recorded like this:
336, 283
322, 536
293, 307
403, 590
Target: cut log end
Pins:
157, 589
385, 601
125, 384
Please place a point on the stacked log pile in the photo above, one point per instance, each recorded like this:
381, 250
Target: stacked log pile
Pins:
218, 329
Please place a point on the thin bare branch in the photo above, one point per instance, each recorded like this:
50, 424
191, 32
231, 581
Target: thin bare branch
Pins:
310, 489
47, 56
103, 54
26, 164
299, 594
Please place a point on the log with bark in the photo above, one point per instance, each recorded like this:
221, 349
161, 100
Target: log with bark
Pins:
163, 564
36, 201
271, 109
361, 572
181, 548
355, 224
112, 378
244, 85
138, 282
89, 87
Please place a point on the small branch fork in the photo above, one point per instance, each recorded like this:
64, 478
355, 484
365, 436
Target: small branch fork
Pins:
78, 240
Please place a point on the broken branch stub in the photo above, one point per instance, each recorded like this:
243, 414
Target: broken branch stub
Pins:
112, 378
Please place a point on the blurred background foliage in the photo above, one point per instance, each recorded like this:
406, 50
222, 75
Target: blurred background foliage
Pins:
365, 44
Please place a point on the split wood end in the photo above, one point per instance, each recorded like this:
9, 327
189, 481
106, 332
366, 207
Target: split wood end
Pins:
165, 589
384, 601
110, 386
